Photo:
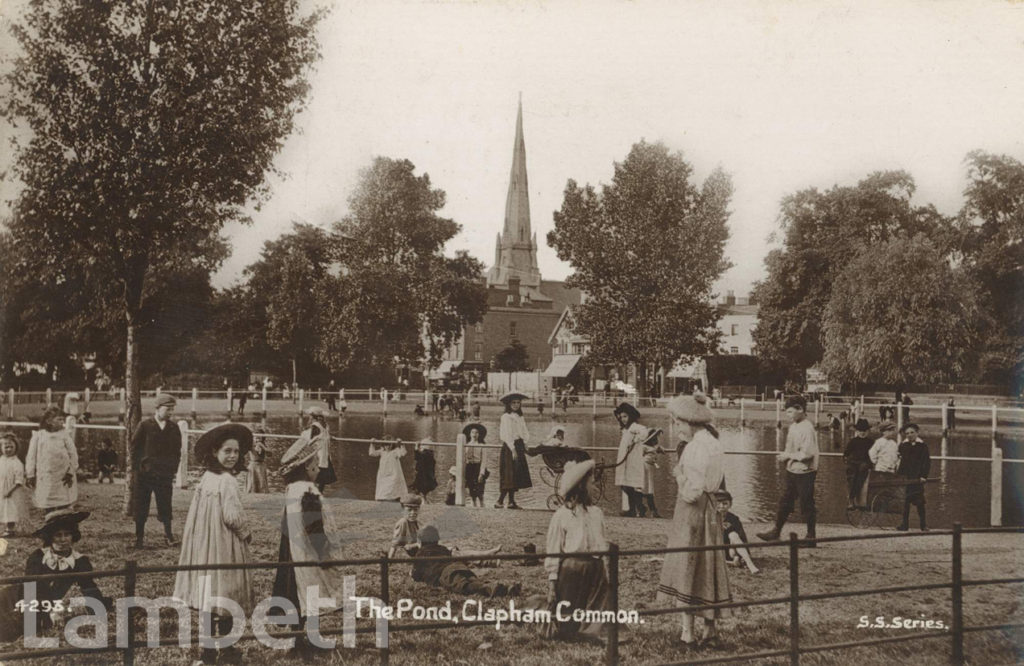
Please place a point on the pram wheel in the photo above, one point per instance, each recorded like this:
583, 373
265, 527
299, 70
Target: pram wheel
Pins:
554, 501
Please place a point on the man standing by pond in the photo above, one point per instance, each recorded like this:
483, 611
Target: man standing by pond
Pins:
915, 463
801, 457
156, 452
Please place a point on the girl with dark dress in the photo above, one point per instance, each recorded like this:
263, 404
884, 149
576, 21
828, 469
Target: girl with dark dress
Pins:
426, 464
514, 474
58, 555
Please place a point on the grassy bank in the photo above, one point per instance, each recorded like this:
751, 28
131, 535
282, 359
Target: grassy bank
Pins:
364, 529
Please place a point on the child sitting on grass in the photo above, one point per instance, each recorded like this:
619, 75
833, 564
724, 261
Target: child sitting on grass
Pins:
407, 528
732, 532
453, 576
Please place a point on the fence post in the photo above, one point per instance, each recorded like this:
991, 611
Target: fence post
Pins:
122, 408
10, 403
195, 400
817, 410
996, 506
945, 418
612, 651
301, 396
593, 410
385, 597
995, 416
264, 401
384, 400
49, 397
778, 413
182, 480
899, 416
460, 469
129, 591
231, 401
794, 604
958, 597
743, 419
88, 398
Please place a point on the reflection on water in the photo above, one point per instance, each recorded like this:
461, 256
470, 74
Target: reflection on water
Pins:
755, 481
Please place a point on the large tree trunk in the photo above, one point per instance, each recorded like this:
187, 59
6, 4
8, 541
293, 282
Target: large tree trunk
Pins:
133, 390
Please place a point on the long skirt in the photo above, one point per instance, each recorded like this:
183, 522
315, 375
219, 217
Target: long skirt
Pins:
583, 583
696, 578
256, 481
514, 471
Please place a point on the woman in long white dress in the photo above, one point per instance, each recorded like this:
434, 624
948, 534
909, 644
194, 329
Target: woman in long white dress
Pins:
696, 578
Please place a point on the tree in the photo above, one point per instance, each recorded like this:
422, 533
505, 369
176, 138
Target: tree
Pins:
992, 227
646, 251
399, 298
152, 125
822, 231
513, 358
900, 314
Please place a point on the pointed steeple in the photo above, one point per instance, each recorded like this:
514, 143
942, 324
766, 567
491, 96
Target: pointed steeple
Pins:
517, 254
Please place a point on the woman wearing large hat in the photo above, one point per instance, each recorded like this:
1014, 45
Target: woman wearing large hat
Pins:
513, 471
629, 469
696, 578
577, 527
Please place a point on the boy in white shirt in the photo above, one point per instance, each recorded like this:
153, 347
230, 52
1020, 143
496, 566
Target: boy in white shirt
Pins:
801, 458
885, 452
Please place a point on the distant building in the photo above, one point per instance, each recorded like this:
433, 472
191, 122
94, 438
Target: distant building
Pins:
737, 323
522, 306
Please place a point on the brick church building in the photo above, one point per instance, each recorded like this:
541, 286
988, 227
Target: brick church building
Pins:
522, 306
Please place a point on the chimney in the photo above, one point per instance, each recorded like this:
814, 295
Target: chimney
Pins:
730, 297
513, 289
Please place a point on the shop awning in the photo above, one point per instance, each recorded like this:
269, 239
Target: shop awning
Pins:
562, 365
446, 367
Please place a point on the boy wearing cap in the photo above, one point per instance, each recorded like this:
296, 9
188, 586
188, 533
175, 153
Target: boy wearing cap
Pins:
453, 576
801, 458
407, 528
858, 463
915, 463
156, 452
885, 453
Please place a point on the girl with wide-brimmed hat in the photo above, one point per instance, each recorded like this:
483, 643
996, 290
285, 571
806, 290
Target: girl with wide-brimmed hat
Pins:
696, 578
476, 474
59, 533
577, 527
216, 531
513, 471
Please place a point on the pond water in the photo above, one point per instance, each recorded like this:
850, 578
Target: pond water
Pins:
755, 481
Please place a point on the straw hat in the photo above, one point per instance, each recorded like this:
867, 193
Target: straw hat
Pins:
316, 411
886, 425
411, 499
452, 471
59, 519
211, 439
513, 395
691, 408
479, 427
572, 474
297, 455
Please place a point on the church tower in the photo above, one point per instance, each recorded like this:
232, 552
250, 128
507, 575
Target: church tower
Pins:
515, 253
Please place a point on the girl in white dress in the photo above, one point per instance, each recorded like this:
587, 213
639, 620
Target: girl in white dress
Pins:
390, 477
12, 482
52, 463
216, 533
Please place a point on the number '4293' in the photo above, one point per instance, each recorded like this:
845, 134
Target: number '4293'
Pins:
35, 606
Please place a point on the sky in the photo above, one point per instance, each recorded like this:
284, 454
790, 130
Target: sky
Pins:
782, 95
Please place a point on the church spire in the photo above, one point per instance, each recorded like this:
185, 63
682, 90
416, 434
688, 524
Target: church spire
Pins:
517, 253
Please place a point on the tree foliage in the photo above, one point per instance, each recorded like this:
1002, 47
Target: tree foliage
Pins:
398, 296
646, 250
992, 227
151, 125
900, 314
822, 232
513, 358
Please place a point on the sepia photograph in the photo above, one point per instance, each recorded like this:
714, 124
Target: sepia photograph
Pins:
511, 332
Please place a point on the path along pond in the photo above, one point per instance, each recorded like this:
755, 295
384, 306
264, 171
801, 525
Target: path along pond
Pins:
962, 493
